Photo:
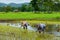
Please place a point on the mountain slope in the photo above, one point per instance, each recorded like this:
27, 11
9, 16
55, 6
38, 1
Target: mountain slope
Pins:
13, 4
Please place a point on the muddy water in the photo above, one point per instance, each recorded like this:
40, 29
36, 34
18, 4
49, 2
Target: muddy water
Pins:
51, 28
17, 25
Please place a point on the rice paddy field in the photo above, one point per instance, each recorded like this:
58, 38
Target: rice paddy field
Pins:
29, 16
12, 33
15, 33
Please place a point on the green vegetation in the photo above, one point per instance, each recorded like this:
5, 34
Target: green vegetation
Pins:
34, 5
29, 15
9, 33
47, 11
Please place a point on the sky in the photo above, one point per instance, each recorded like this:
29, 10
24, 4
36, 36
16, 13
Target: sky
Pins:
14, 1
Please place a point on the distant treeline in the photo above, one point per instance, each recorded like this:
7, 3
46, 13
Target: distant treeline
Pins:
34, 5
22, 8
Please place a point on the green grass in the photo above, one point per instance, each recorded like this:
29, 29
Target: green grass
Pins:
45, 22
29, 15
11, 33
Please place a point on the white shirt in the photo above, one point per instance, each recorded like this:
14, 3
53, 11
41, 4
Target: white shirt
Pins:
42, 25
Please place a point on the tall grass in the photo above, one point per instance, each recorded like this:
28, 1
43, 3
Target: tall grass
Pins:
12, 33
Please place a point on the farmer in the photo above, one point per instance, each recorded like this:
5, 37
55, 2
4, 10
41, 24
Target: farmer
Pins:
41, 28
25, 24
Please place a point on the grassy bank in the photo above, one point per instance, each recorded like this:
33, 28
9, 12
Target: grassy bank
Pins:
29, 16
11, 33
45, 22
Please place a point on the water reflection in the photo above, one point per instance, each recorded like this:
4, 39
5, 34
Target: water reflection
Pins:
15, 24
50, 28
32, 28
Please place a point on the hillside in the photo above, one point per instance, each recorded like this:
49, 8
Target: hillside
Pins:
13, 4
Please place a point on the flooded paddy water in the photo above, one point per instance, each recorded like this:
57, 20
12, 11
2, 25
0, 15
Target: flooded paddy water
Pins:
52, 28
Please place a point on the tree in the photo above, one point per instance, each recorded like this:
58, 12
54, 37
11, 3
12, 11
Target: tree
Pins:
7, 8
1, 9
50, 5
24, 7
43, 5
56, 6
35, 5
29, 8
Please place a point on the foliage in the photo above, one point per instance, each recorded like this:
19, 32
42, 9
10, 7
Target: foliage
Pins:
35, 5
45, 5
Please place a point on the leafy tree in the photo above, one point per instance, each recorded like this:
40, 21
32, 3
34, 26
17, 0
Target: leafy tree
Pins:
29, 8
43, 5
7, 8
23, 8
35, 5
56, 6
